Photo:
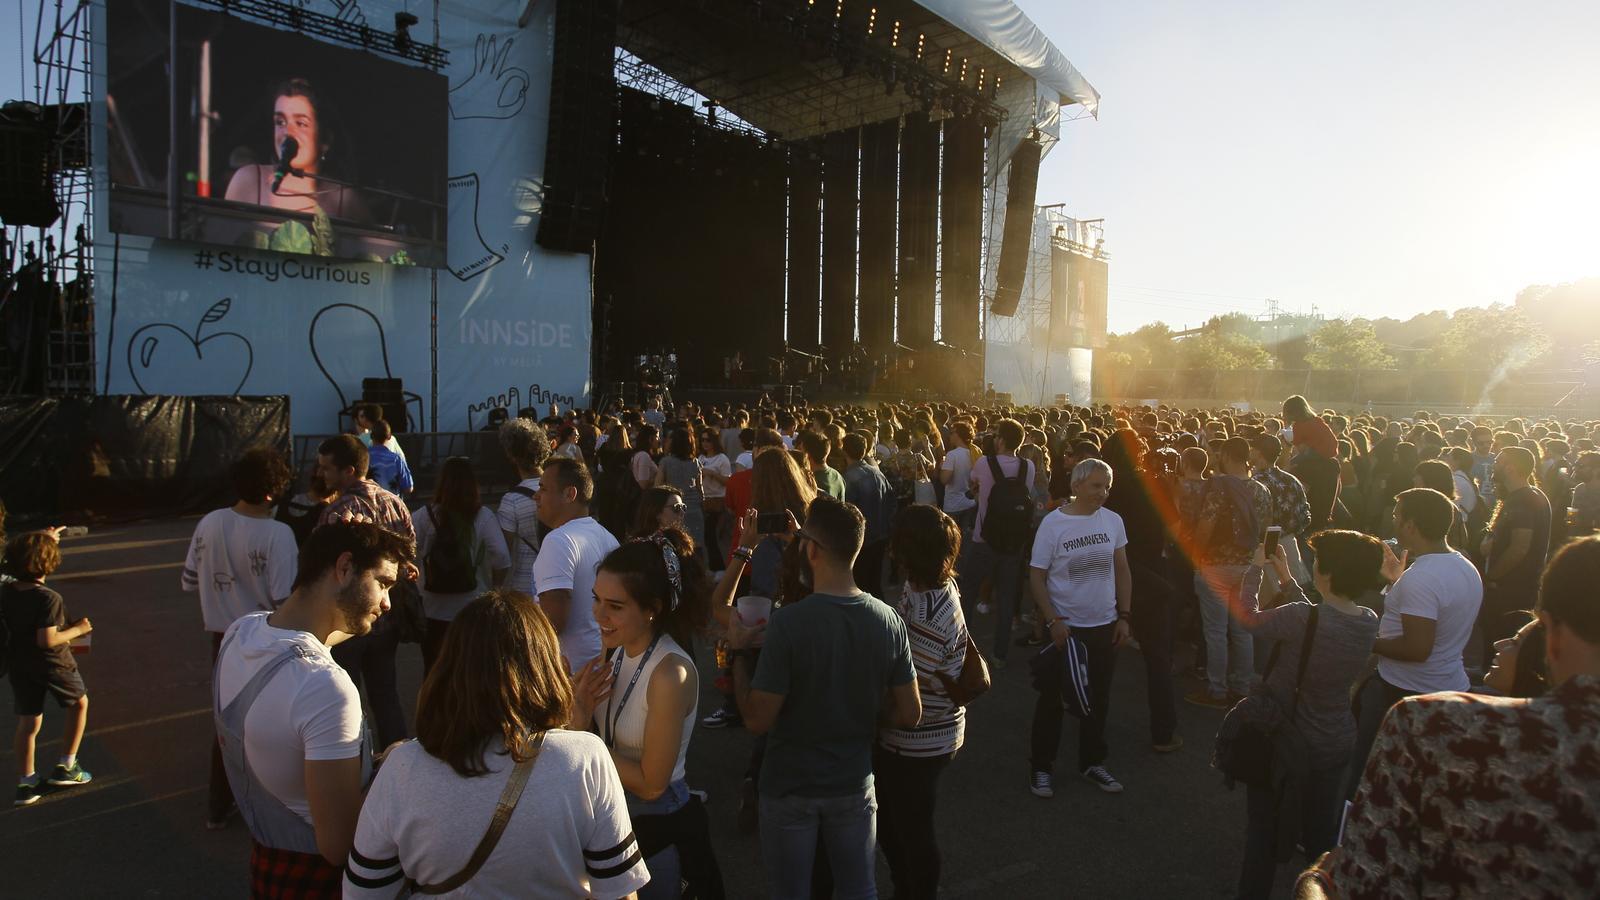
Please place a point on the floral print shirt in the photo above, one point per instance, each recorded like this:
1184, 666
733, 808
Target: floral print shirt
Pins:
1290, 509
1470, 796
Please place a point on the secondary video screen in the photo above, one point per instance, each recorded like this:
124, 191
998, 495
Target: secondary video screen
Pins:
284, 142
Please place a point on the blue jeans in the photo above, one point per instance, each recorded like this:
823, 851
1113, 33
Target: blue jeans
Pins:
847, 827
979, 562
666, 873
1230, 651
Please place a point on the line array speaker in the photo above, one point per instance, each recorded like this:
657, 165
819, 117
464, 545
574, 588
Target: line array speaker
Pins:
583, 124
1021, 188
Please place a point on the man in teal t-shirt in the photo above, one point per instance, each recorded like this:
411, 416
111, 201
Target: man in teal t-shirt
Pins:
829, 666
828, 479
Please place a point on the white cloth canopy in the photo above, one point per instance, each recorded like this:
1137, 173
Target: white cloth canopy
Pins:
1006, 30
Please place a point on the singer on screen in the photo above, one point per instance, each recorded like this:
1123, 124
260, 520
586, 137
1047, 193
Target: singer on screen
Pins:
300, 147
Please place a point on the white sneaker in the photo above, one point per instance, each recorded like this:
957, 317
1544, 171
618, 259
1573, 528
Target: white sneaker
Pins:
1042, 785
1099, 777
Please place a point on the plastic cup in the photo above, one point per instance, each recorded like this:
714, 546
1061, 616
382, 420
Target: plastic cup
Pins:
753, 610
81, 645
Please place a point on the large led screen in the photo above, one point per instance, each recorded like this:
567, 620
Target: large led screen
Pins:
284, 142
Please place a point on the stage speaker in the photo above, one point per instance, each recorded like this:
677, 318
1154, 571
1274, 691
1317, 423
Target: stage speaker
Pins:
390, 395
583, 124
27, 196
1021, 188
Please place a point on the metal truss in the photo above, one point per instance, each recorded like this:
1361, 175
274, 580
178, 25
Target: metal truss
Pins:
397, 43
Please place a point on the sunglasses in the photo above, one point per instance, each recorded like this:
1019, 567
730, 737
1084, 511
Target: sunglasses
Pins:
801, 535
678, 508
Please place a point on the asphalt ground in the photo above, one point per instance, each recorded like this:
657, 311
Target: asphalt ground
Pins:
138, 830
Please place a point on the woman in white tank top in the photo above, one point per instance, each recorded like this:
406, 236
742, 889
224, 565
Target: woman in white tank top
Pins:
641, 694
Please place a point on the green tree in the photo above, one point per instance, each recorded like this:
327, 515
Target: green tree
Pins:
1347, 344
1213, 350
1490, 338
1148, 347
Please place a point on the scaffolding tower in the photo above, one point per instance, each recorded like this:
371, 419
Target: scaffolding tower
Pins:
52, 267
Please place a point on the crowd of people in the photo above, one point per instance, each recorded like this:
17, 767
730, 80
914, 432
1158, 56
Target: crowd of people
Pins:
1397, 617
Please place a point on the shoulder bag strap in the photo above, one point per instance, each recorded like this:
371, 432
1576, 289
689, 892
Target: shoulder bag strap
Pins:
1305, 657
497, 825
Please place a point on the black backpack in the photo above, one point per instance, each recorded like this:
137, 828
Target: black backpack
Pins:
451, 565
1009, 515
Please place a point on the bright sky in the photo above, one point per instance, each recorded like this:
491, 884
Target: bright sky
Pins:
1366, 158
1361, 157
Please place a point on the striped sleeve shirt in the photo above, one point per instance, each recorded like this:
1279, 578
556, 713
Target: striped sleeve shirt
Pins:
938, 633
569, 835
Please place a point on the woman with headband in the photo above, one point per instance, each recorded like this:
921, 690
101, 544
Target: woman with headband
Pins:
641, 695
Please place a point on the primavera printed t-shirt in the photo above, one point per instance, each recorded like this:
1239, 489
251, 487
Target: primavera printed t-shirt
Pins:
1078, 553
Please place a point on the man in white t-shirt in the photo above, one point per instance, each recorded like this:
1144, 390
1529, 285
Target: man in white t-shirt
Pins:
241, 560
1083, 586
983, 557
1427, 618
527, 445
956, 473
289, 717
571, 553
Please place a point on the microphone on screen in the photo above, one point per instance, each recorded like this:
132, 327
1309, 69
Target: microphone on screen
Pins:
286, 154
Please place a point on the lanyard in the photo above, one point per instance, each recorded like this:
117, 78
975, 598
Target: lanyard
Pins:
610, 721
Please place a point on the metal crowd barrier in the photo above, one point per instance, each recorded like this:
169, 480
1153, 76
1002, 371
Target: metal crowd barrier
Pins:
426, 451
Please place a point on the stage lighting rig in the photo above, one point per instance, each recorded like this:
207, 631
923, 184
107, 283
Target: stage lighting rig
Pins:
403, 21
319, 25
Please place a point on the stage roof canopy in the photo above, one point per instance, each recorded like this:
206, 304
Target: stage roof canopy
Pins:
797, 69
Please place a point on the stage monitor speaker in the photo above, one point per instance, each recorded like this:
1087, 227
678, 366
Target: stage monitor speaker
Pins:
583, 124
390, 395
1021, 190
27, 196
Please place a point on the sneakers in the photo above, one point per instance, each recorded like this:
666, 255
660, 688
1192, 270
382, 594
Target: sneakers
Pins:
65, 777
1170, 746
27, 795
1043, 785
720, 719
1206, 698
1100, 778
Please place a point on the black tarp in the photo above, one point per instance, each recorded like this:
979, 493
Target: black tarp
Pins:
76, 458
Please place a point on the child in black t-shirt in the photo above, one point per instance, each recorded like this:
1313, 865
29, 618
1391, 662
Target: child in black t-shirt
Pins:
39, 660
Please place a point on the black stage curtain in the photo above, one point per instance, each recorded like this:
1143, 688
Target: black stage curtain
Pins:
741, 255
962, 213
129, 457
691, 256
805, 246
880, 148
841, 161
919, 229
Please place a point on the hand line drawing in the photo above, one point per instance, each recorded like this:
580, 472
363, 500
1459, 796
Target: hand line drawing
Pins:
478, 96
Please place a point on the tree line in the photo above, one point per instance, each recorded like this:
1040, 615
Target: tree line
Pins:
1545, 327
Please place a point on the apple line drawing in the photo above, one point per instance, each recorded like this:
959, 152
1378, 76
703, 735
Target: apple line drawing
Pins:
163, 353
